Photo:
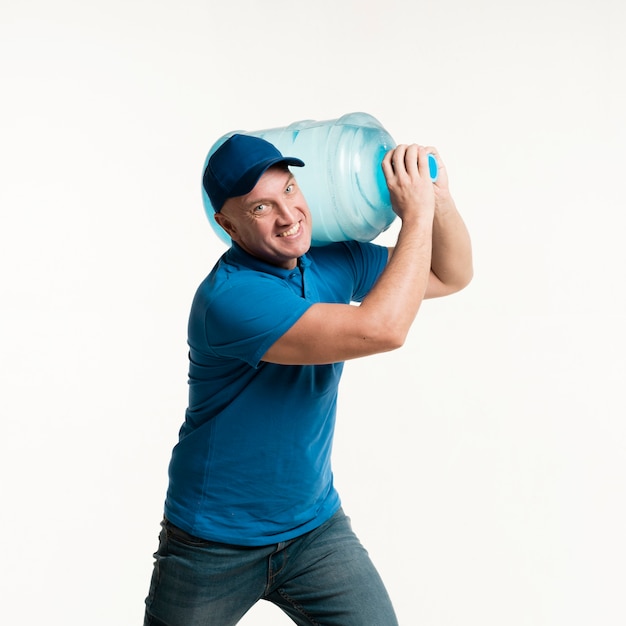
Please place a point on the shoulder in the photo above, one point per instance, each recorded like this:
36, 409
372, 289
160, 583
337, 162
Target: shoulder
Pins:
346, 250
239, 313
354, 256
238, 291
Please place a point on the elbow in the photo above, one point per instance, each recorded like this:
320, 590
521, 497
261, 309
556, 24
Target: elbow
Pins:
469, 275
384, 330
458, 282
396, 341
465, 279
389, 337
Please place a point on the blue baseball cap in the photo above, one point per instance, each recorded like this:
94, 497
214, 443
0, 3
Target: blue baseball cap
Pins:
236, 166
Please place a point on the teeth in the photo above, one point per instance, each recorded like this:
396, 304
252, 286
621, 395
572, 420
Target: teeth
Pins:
292, 231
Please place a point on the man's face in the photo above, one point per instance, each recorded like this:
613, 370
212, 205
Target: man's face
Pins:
272, 222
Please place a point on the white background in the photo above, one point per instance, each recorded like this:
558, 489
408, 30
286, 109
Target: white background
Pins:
483, 463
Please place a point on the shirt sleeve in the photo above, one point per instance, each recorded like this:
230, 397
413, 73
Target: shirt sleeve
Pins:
368, 261
247, 316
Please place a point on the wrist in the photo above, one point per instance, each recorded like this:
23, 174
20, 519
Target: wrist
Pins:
444, 201
417, 226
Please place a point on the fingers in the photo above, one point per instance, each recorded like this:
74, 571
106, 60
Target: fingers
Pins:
411, 159
406, 159
432, 150
399, 160
387, 167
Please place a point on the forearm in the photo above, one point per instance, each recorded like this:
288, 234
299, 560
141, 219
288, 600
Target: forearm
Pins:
452, 250
393, 303
328, 333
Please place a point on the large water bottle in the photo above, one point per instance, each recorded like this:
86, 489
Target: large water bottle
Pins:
342, 180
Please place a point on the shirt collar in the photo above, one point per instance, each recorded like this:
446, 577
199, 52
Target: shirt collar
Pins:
236, 255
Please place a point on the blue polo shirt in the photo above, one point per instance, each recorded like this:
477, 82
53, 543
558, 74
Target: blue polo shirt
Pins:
253, 462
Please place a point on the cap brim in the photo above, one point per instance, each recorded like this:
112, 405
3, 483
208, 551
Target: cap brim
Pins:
247, 182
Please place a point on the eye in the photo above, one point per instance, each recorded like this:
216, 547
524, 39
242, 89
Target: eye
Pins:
290, 188
261, 208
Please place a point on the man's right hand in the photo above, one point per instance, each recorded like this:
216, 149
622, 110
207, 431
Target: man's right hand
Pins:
411, 189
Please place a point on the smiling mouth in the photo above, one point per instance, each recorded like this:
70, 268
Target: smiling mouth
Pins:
292, 231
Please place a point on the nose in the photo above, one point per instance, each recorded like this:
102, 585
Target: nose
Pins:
286, 213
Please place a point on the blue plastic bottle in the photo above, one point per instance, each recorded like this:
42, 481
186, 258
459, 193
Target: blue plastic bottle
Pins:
342, 180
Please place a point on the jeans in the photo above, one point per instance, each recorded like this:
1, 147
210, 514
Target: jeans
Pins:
323, 578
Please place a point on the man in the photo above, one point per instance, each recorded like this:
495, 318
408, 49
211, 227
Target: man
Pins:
251, 512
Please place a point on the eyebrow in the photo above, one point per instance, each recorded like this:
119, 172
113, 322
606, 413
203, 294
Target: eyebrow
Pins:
260, 200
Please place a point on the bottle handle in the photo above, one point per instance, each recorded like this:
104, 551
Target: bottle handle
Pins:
433, 167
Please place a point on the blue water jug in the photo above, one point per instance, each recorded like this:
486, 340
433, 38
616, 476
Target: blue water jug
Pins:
342, 180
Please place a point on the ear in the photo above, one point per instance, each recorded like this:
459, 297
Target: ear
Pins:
227, 225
